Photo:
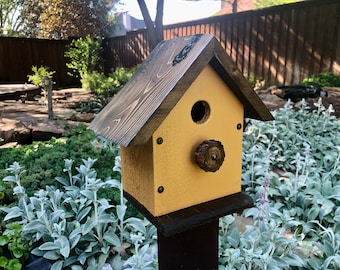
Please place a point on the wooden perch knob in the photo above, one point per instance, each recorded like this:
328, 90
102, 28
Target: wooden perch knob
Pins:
209, 155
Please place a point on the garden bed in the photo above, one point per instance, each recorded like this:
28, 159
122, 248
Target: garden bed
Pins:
290, 168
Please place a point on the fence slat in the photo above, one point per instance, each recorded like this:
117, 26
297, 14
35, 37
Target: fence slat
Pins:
281, 44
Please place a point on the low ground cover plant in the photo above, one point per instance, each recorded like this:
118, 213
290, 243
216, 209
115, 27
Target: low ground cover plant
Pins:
291, 168
45, 160
73, 226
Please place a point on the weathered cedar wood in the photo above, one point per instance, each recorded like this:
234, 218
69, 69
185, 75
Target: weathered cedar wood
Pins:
140, 107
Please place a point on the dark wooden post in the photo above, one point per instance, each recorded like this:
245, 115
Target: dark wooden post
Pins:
196, 248
188, 238
48, 87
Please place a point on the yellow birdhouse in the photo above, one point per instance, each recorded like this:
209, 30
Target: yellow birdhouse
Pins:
179, 121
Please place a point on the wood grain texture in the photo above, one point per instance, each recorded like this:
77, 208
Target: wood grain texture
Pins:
124, 117
141, 106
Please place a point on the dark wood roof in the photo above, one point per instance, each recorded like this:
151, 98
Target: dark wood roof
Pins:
140, 107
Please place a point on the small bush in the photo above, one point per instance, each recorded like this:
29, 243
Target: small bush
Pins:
105, 87
85, 56
323, 79
38, 78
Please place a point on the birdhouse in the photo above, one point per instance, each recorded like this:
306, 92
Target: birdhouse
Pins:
179, 122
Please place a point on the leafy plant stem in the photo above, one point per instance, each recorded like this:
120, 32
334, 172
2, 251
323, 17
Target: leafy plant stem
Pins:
98, 226
298, 161
21, 195
252, 167
47, 224
337, 163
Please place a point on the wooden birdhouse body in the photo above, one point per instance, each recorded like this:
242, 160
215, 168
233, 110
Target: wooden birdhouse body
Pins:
179, 121
162, 174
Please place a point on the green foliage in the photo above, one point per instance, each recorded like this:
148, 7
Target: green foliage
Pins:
85, 56
37, 78
2, 194
106, 87
270, 3
72, 226
323, 79
61, 19
46, 159
255, 249
16, 245
292, 170
11, 20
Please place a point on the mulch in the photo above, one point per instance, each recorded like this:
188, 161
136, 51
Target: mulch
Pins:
273, 102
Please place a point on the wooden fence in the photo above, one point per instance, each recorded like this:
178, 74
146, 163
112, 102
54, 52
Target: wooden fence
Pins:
18, 55
281, 45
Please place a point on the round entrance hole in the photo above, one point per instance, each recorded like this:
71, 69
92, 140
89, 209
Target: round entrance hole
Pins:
200, 112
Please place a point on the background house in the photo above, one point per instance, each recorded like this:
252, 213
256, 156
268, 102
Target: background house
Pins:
126, 22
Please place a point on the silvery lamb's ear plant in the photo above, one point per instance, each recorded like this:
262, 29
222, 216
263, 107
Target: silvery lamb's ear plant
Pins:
71, 226
291, 168
256, 250
304, 175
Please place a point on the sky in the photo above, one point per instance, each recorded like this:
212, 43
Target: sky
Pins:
174, 10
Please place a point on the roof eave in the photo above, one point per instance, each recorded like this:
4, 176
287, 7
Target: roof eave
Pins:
224, 66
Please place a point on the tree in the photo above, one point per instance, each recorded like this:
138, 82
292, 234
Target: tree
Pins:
10, 19
270, 3
154, 30
31, 14
61, 19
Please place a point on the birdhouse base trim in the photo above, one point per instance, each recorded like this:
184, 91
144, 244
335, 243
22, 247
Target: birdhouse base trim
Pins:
194, 216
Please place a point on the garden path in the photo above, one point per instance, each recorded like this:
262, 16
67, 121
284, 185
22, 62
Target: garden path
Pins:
31, 117
34, 116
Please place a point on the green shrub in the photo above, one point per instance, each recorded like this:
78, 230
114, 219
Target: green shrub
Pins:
37, 78
105, 87
85, 56
323, 79
291, 168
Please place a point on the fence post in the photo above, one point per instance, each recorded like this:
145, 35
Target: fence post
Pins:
48, 87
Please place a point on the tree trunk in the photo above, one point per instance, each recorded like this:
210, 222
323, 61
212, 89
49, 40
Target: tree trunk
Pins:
234, 6
155, 31
159, 20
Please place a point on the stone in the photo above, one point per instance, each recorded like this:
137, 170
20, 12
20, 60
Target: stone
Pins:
82, 117
45, 130
14, 131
